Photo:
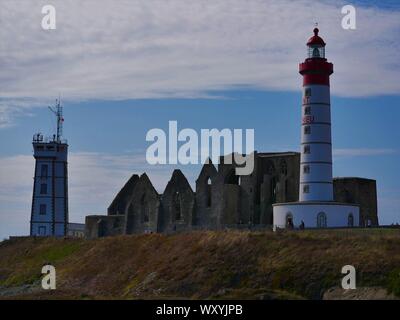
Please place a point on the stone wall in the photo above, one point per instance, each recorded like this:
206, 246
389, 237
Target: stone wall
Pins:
97, 226
359, 191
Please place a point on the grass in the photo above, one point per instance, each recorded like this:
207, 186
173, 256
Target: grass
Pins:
206, 264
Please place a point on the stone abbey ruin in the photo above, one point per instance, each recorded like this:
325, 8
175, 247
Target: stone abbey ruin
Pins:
221, 200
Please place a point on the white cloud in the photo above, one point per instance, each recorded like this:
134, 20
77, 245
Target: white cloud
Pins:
142, 49
362, 152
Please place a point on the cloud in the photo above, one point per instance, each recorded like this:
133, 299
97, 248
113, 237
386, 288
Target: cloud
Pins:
94, 180
362, 152
155, 49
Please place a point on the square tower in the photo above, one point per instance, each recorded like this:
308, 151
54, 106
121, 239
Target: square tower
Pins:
49, 214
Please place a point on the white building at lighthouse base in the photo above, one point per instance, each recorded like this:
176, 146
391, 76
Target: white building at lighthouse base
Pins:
316, 214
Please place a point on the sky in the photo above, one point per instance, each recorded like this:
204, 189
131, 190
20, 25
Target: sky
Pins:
123, 68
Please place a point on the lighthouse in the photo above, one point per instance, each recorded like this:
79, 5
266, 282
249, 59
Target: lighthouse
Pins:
316, 207
49, 213
316, 144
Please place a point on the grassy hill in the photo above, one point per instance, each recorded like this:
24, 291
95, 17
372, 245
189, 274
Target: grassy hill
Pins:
202, 264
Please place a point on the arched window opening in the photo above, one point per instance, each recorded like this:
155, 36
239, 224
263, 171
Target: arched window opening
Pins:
177, 206
143, 209
321, 220
289, 221
208, 200
273, 190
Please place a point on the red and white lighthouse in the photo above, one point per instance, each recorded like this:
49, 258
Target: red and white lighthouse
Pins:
316, 144
316, 207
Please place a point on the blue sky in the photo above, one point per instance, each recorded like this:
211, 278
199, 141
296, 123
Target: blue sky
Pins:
205, 66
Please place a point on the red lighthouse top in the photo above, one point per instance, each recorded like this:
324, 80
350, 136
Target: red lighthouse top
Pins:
316, 40
316, 69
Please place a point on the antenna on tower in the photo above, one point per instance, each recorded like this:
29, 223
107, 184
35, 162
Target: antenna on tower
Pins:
58, 111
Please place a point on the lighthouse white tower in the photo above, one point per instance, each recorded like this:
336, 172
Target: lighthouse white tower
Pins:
315, 207
49, 214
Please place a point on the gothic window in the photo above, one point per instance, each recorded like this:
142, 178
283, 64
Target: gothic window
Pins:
307, 129
42, 209
306, 169
143, 209
273, 190
321, 220
307, 149
208, 202
43, 188
177, 206
44, 170
307, 92
307, 110
306, 188
350, 220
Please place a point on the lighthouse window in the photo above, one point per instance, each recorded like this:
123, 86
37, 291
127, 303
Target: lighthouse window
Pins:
307, 130
307, 110
306, 188
43, 188
307, 92
306, 169
307, 149
42, 209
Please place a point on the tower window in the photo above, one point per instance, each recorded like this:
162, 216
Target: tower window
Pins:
307, 130
307, 149
42, 209
306, 169
306, 188
44, 170
307, 92
307, 110
43, 188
